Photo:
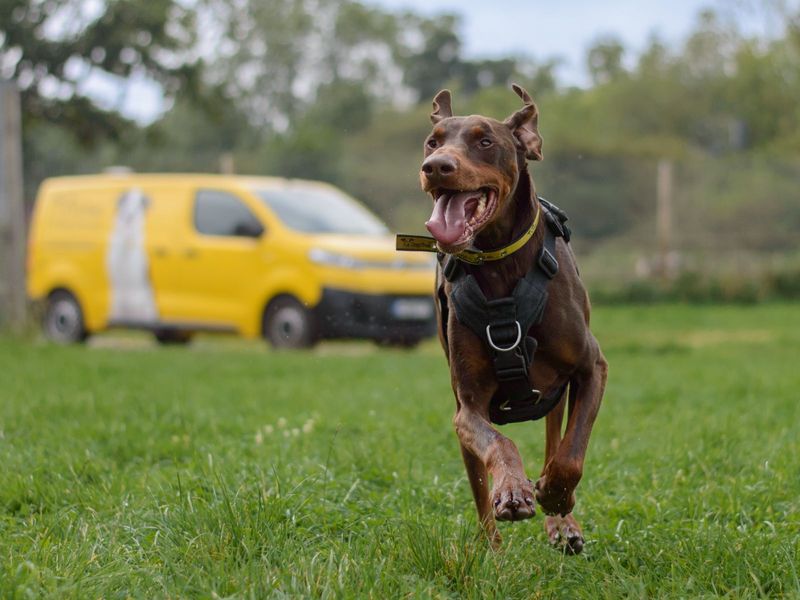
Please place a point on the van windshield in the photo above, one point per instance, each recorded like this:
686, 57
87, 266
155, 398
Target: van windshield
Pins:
320, 210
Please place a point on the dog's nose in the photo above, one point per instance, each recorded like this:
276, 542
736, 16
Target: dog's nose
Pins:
439, 165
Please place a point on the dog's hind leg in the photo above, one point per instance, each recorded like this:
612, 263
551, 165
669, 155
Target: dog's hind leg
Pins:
563, 532
479, 482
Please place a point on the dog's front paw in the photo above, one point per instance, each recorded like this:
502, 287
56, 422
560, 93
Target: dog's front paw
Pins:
555, 499
513, 500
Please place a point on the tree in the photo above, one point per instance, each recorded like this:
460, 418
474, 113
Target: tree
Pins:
435, 59
605, 60
53, 47
279, 54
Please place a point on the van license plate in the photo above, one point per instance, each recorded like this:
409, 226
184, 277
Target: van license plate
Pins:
412, 309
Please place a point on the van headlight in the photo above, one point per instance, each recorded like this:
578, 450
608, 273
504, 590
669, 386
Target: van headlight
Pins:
332, 259
343, 261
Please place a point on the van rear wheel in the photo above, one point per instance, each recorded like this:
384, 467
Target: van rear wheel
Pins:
289, 325
63, 319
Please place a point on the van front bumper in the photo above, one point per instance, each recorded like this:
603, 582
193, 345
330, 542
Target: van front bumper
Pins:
385, 317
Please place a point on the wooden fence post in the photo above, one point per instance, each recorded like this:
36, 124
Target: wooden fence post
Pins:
664, 193
12, 210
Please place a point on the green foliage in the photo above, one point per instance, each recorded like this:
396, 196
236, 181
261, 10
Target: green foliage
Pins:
604, 60
341, 91
697, 287
51, 46
438, 59
226, 470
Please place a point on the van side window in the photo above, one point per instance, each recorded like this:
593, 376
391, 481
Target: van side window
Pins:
222, 213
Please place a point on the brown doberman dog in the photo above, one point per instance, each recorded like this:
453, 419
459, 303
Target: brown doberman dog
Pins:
475, 169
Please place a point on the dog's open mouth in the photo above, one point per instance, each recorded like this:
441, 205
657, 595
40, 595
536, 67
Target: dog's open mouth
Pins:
457, 216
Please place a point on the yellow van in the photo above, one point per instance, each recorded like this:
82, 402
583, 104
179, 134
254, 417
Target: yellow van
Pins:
291, 260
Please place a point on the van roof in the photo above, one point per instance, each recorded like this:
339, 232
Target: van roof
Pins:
115, 179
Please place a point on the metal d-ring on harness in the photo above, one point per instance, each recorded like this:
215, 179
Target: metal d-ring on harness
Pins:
512, 346
503, 324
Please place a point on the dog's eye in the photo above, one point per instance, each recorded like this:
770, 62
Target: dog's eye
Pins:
486, 142
432, 143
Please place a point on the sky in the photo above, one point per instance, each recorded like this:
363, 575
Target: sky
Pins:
542, 29
567, 28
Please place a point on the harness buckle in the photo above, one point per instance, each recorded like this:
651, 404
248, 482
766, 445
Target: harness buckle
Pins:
556, 220
509, 348
554, 224
511, 366
548, 263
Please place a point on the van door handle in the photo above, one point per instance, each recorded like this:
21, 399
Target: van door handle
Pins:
190, 253
160, 252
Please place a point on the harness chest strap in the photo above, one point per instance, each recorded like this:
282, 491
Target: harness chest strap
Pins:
503, 323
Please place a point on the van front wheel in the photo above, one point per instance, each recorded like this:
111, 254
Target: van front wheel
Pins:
289, 325
63, 319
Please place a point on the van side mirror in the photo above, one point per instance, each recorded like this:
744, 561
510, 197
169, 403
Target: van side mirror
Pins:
251, 229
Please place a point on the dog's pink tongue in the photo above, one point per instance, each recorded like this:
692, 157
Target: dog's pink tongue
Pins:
448, 221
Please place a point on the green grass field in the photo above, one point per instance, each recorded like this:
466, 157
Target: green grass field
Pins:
224, 470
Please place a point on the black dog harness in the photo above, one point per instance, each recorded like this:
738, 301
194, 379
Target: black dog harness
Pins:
503, 323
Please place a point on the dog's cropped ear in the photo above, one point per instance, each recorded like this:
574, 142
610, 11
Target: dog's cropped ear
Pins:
441, 107
524, 124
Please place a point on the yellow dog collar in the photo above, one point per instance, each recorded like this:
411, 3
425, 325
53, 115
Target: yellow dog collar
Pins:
473, 256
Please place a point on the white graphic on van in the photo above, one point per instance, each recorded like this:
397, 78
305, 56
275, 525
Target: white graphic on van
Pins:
132, 299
